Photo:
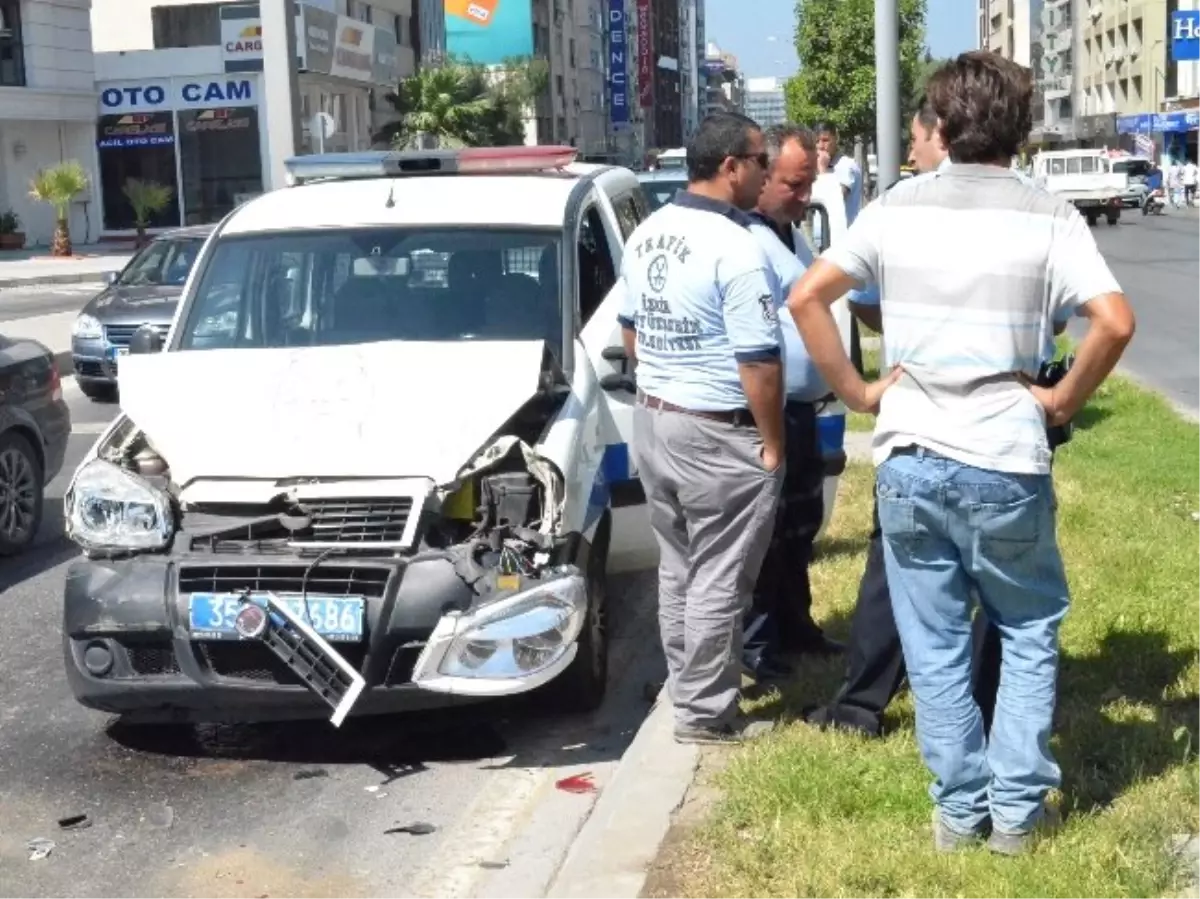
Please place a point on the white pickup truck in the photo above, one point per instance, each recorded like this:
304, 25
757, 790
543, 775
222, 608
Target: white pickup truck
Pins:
1084, 178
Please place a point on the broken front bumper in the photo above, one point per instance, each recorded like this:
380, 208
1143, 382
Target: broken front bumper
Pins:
129, 649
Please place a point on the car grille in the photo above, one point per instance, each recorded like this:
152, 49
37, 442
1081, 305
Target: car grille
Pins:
254, 661
89, 368
328, 579
346, 523
120, 335
147, 659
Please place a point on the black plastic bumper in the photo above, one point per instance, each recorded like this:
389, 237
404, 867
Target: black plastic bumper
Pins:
136, 612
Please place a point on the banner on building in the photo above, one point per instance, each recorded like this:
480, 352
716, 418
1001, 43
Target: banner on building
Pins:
645, 56
1185, 35
489, 31
618, 65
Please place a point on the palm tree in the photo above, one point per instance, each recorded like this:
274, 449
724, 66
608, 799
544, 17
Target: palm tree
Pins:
447, 104
146, 198
57, 186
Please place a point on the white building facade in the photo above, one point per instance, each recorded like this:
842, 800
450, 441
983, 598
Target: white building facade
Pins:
47, 109
180, 99
764, 101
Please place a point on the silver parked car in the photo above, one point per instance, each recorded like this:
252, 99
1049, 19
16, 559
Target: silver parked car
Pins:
146, 292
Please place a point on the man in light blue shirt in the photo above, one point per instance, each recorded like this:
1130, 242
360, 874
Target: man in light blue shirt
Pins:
781, 620
699, 312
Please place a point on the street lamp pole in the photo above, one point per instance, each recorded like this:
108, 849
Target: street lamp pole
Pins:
887, 91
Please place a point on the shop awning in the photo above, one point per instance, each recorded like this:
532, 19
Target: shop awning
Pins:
1160, 123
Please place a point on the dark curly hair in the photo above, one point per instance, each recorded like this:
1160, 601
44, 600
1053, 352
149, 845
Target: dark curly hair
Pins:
983, 103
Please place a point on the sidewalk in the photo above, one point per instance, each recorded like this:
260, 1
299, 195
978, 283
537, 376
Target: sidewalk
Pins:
27, 268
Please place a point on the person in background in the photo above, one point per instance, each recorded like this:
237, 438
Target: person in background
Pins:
781, 620
699, 305
849, 175
1188, 177
874, 660
963, 485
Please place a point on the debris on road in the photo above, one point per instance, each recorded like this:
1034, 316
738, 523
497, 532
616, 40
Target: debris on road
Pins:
374, 788
310, 774
416, 829
161, 815
75, 822
494, 866
39, 848
578, 783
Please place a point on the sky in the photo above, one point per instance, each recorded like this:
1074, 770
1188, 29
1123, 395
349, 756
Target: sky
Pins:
764, 42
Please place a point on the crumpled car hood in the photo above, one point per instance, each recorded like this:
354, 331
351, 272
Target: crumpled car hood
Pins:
386, 409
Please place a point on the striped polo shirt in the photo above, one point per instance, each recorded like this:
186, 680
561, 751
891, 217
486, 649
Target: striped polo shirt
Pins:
973, 267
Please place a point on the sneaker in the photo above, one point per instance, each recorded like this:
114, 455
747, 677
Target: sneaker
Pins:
1006, 843
722, 734
946, 839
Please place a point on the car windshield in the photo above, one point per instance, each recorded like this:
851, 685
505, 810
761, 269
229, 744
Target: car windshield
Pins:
1136, 169
166, 261
660, 192
331, 288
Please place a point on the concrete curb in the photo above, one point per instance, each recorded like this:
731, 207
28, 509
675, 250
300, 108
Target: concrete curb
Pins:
612, 855
65, 278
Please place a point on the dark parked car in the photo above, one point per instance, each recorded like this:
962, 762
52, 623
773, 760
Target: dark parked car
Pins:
145, 293
34, 426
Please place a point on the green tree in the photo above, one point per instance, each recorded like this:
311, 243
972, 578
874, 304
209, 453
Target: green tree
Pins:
58, 186
461, 104
146, 198
835, 40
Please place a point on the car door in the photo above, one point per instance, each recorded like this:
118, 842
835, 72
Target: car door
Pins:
601, 340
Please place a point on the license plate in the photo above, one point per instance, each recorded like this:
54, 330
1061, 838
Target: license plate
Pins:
116, 352
336, 618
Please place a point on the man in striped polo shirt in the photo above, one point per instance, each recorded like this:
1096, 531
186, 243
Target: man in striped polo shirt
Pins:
974, 267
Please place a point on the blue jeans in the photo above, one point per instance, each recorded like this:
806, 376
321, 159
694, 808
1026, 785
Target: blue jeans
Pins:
948, 527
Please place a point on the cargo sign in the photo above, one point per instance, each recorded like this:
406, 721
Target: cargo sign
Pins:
241, 38
618, 71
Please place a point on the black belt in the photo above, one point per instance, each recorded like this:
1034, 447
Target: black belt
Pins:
739, 418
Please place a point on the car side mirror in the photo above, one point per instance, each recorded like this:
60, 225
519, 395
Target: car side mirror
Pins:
110, 278
145, 340
814, 214
616, 382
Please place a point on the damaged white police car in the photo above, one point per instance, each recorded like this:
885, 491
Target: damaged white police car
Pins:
374, 468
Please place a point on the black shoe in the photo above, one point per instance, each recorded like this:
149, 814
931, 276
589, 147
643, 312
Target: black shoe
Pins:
772, 669
722, 735
818, 645
824, 717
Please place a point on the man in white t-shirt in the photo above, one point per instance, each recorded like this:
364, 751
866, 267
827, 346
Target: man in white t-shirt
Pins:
1188, 177
849, 175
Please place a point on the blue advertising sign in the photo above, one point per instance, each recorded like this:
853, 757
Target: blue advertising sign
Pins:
489, 31
1185, 35
1161, 123
618, 72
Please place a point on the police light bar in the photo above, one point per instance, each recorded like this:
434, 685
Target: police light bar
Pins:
396, 164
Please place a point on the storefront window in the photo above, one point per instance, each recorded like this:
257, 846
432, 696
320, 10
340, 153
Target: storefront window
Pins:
221, 160
136, 145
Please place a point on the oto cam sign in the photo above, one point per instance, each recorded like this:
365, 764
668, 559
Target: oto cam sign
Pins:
181, 93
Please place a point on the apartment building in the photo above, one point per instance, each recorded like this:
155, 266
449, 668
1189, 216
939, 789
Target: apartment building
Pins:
724, 84
47, 108
568, 35
764, 101
691, 42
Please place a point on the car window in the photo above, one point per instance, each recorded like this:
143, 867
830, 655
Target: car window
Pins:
627, 215
333, 288
165, 261
660, 192
596, 273
1058, 166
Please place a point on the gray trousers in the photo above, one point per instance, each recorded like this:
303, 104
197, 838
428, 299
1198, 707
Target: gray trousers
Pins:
712, 507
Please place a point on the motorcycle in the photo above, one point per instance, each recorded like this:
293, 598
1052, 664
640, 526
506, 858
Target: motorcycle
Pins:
1155, 203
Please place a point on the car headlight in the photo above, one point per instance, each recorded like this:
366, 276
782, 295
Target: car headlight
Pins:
521, 634
87, 327
108, 508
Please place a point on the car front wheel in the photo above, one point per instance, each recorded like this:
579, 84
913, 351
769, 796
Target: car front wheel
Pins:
582, 686
21, 494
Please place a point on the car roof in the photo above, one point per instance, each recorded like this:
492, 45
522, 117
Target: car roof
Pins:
526, 200
191, 231
663, 175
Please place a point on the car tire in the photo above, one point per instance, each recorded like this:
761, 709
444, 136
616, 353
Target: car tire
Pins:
22, 493
1092, 219
1113, 219
582, 686
103, 393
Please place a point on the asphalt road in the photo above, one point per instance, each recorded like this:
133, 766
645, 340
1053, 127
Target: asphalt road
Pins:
1156, 259
299, 810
